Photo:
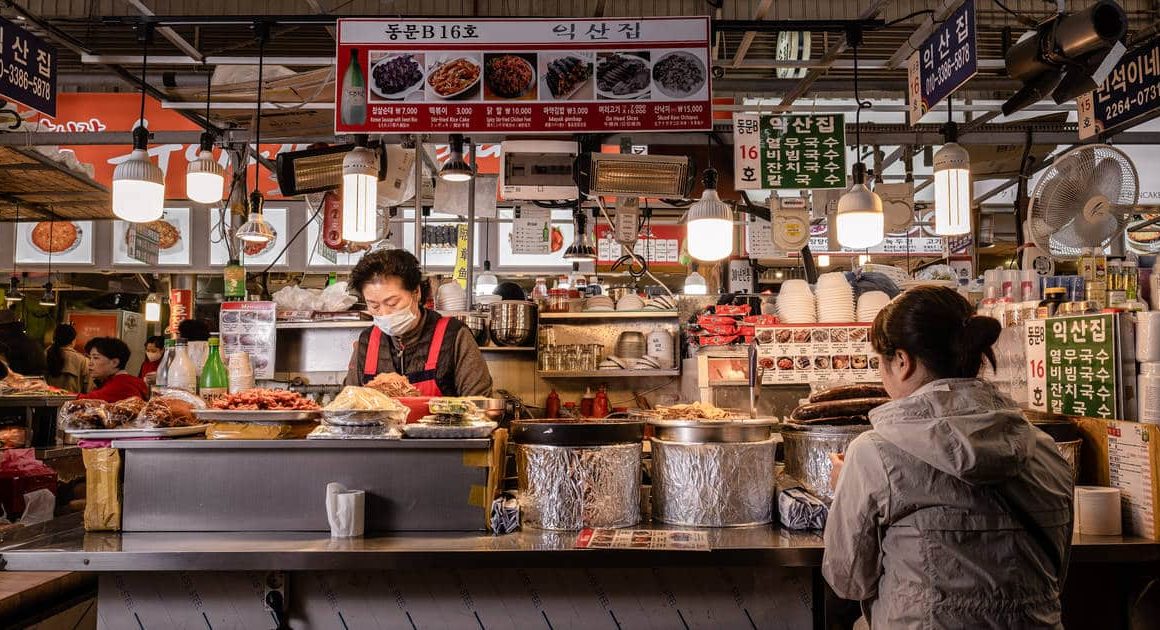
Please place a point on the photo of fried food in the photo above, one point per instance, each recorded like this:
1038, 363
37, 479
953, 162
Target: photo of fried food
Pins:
453, 77
55, 237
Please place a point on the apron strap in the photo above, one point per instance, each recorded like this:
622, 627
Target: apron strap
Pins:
371, 361
436, 344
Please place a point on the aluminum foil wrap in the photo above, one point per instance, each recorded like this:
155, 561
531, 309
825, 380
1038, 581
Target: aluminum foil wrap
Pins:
573, 487
807, 455
713, 485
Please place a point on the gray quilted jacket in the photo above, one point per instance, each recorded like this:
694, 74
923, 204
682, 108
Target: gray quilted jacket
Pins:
921, 528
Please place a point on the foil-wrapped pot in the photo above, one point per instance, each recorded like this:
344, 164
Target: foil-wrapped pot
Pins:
573, 487
807, 453
713, 484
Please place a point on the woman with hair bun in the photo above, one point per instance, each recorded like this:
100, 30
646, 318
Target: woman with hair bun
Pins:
954, 511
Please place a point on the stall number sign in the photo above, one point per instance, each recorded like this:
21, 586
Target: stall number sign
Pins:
523, 76
944, 62
1130, 93
1071, 365
27, 69
789, 151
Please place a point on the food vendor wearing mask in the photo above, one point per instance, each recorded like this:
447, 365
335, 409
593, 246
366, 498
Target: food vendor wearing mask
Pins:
437, 354
108, 357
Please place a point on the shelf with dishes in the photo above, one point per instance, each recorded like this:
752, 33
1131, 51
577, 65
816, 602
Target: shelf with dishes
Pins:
513, 349
608, 374
608, 315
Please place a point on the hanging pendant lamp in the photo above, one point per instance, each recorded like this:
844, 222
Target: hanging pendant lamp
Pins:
204, 178
695, 283
360, 191
13, 294
860, 221
582, 247
456, 169
710, 224
138, 183
256, 229
952, 184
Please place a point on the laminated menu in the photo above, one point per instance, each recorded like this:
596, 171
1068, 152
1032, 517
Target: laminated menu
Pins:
686, 540
249, 327
807, 353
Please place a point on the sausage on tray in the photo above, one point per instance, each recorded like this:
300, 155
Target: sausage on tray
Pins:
836, 408
846, 392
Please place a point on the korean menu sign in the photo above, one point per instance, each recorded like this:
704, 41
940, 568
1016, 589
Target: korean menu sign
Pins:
523, 76
660, 245
1072, 366
1129, 94
944, 62
27, 69
789, 151
798, 354
250, 327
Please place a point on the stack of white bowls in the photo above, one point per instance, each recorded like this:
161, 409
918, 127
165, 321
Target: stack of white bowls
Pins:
835, 299
599, 303
450, 298
630, 302
795, 303
870, 303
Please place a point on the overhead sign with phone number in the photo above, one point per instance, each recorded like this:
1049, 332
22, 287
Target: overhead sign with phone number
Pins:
944, 62
483, 75
789, 151
27, 69
1129, 94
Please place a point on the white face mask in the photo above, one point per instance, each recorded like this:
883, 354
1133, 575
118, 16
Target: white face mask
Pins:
153, 356
397, 323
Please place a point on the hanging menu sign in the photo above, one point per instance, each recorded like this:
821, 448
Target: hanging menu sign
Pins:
1071, 366
660, 245
483, 75
532, 231
789, 151
943, 63
1129, 95
27, 69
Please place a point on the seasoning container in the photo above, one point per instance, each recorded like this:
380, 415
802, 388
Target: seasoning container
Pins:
587, 403
713, 474
1053, 299
1148, 393
600, 406
574, 475
807, 452
552, 406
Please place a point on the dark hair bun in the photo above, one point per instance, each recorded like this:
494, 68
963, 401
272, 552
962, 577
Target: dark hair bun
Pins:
974, 343
938, 327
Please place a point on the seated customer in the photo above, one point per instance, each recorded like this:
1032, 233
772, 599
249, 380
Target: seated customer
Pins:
67, 368
107, 359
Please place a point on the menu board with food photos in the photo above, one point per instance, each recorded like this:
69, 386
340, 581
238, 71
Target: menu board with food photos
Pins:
173, 244
790, 354
249, 327
62, 242
535, 75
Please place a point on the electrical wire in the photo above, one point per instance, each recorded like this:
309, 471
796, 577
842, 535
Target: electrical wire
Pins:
1018, 16
910, 15
627, 251
861, 104
317, 211
262, 35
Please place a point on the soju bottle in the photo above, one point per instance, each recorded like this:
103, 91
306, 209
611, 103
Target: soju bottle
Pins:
215, 380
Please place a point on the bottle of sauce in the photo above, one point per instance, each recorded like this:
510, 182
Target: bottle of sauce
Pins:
552, 407
182, 374
214, 380
162, 378
587, 402
600, 404
234, 278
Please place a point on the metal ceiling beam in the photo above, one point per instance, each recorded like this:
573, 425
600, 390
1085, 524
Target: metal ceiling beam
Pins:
168, 33
921, 33
866, 21
747, 39
211, 60
830, 57
317, 8
793, 89
841, 64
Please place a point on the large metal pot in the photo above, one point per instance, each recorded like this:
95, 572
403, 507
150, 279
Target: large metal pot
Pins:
713, 474
477, 324
513, 323
807, 453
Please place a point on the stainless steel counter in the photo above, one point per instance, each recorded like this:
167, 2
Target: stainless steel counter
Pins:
64, 546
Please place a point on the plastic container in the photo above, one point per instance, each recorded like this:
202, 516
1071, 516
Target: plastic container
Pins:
1148, 393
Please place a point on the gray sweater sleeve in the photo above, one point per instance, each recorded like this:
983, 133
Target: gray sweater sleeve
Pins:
472, 378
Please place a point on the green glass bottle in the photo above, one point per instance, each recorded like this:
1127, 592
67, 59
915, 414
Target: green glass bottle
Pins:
215, 380
234, 277
332, 278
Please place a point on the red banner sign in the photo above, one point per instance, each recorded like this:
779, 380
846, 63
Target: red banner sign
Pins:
523, 76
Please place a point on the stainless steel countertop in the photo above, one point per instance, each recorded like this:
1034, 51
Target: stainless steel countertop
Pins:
201, 444
64, 546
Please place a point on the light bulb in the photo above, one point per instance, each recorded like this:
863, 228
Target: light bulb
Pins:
360, 190
824, 260
863, 259
695, 284
952, 190
138, 189
709, 224
860, 222
204, 179
152, 308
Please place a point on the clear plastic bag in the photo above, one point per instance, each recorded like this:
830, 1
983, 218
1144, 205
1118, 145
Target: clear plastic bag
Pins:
84, 414
165, 412
353, 398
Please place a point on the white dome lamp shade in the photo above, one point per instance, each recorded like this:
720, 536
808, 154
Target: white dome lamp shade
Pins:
709, 224
138, 184
695, 284
952, 190
360, 191
205, 179
456, 169
860, 222
486, 283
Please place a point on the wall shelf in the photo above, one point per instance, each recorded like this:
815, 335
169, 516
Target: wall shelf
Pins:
608, 315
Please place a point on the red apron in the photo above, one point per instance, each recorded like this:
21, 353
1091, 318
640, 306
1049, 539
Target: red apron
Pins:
424, 380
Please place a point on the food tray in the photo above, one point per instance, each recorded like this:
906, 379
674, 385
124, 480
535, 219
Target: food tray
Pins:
474, 430
114, 434
257, 415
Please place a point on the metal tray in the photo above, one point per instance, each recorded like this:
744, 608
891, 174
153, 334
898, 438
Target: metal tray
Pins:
114, 434
713, 431
259, 415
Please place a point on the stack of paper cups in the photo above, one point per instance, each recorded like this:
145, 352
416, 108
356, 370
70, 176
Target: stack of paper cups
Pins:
1097, 511
241, 372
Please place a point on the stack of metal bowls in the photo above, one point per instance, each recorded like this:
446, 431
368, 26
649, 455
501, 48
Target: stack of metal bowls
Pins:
513, 323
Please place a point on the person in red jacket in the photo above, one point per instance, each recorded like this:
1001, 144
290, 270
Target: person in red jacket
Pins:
108, 357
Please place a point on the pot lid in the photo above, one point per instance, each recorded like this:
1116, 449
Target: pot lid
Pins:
577, 433
713, 431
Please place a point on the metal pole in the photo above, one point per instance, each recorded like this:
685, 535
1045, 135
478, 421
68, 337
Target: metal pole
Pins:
470, 226
418, 197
